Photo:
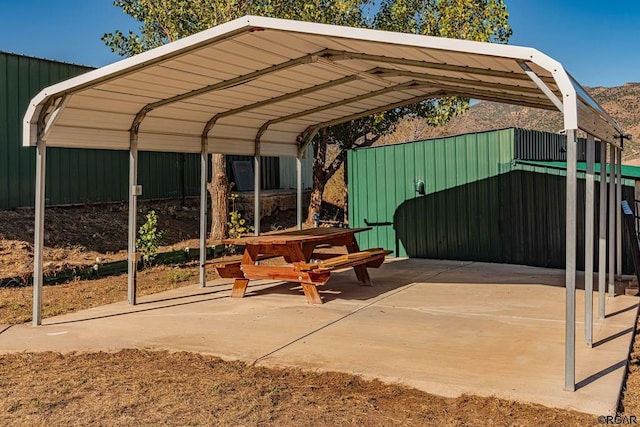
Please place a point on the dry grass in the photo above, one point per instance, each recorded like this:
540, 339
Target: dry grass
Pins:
15, 303
630, 404
134, 387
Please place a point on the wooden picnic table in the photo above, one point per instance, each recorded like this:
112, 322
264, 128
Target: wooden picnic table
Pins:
304, 265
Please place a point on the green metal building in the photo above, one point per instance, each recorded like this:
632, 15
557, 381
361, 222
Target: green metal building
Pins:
77, 176
469, 197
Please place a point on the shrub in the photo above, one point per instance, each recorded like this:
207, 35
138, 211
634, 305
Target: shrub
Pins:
237, 225
149, 239
177, 276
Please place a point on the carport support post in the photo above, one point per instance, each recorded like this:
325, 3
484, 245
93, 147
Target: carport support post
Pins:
38, 243
571, 238
299, 191
588, 244
133, 198
619, 214
602, 233
203, 211
256, 191
612, 219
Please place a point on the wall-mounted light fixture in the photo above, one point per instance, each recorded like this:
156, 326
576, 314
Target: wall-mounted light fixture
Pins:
420, 187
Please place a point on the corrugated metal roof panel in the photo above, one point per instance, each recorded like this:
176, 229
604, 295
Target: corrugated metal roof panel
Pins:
630, 173
236, 66
80, 175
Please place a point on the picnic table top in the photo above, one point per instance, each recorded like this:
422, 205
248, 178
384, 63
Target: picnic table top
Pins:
297, 236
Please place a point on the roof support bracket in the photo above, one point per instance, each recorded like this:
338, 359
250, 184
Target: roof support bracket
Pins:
211, 123
309, 133
397, 87
41, 125
488, 96
137, 120
307, 59
337, 55
351, 71
454, 81
542, 85
312, 130
266, 125
59, 105
306, 138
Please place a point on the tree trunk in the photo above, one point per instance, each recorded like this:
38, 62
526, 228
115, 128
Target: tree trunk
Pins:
319, 175
323, 172
219, 192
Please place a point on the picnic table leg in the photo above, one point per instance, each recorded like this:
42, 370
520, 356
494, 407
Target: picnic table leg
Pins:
249, 256
311, 292
363, 275
239, 288
361, 270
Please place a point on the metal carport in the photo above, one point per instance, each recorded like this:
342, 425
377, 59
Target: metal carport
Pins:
263, 86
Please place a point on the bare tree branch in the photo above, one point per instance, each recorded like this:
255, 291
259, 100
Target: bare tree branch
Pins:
333, 167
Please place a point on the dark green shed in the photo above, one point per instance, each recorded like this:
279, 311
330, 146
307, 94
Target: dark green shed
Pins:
480, 202
76, 176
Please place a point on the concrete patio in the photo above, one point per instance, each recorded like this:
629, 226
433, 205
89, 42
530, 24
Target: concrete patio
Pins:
445, 327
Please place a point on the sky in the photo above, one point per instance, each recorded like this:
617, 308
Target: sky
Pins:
596, 41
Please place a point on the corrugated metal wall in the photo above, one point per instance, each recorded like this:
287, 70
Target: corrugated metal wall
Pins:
79, 176
383, 178
536, 145
95, 176
288, 171
20, 79
91, 176
476, 206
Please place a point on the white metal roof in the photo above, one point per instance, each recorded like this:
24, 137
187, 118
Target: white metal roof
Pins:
276, 81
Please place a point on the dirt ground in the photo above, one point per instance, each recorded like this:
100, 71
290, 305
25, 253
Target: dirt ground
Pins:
78, 235
15, 302
630, 404
138, 387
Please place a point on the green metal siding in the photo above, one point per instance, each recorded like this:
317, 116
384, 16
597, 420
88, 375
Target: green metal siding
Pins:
96, 176
77, 175
479, 204
516, 218
20, 79
381, 179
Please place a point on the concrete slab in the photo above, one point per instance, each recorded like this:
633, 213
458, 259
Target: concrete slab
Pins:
442, 326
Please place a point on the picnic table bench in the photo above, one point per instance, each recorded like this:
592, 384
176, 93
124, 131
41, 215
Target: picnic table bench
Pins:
305, 264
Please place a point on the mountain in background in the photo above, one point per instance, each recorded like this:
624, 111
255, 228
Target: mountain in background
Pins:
622, 103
